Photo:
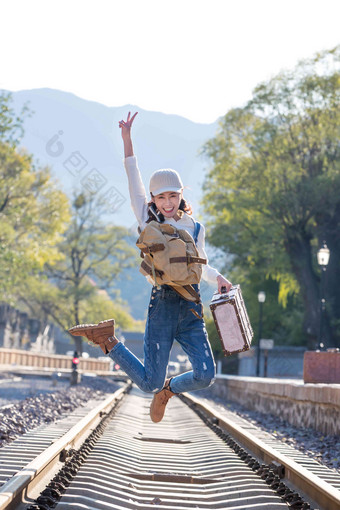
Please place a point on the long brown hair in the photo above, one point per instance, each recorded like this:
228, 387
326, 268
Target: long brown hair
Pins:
183, 206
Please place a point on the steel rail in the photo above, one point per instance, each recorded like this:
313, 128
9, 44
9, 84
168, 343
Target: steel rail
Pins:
51, 459
314, 487
179, 463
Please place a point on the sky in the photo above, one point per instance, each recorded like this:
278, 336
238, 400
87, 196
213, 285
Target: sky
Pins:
192, 58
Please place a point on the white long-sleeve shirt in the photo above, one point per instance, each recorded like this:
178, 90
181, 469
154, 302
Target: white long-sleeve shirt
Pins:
139, 204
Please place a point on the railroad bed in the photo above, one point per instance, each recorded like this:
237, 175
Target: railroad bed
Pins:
194, 458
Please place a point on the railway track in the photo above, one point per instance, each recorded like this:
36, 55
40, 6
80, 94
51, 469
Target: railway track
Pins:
115, 457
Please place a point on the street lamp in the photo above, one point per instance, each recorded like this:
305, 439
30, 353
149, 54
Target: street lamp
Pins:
323, 258
261, 299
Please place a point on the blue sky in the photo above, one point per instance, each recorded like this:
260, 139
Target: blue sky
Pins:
187, 57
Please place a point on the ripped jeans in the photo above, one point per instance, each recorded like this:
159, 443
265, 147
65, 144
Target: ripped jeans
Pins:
169, 318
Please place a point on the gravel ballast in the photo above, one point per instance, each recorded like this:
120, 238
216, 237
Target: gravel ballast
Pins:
31, 402
45, 403
323, 448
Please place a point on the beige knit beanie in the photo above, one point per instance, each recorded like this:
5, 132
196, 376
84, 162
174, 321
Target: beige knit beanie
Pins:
165, 180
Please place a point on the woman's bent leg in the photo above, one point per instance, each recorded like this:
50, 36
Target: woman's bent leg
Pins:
158, 340
192, 336
133, 367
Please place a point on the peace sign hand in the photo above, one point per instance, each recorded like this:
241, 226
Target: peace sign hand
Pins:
126, 125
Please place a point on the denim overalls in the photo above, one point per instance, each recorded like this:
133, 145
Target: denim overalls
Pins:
169, 318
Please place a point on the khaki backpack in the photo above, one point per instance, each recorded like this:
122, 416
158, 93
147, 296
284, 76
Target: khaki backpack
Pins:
170, 256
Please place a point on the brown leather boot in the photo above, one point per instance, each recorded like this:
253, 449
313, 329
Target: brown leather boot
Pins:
159, 402
102, 334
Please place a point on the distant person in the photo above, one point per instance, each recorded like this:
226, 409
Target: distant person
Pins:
169, 314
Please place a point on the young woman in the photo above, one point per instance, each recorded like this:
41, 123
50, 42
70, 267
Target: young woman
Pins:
169, 317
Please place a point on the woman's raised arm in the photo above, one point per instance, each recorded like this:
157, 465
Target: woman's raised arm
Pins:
126, 134
139, 201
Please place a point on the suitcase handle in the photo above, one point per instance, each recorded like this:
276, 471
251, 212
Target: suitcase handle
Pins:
224, 289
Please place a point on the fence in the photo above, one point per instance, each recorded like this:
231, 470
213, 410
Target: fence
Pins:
33, 359
282, 361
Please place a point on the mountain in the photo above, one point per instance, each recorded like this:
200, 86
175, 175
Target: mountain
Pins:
80, 140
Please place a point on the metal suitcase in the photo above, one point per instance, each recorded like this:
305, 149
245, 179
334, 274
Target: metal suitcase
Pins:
231, 320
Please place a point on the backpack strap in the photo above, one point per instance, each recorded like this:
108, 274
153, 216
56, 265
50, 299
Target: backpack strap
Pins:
196, 230
187, 292
153, 248
189, 260
197, 314
148, 269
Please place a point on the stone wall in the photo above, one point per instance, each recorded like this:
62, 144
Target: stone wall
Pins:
304, 405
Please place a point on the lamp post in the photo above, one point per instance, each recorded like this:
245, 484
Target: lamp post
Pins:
261, 299
323, 258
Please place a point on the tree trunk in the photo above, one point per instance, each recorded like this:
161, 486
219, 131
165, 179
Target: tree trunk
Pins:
332, 289
78, 340
328, 229
299, 249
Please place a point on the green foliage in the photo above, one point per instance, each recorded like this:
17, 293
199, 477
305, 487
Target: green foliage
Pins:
33, 215
73, 289
33, 212
46, 300
55, 261
101, 306
273, 192
11, 125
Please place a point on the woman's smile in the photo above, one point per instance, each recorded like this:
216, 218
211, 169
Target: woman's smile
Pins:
168, 202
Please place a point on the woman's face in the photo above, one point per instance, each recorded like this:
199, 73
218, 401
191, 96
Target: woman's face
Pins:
168, 202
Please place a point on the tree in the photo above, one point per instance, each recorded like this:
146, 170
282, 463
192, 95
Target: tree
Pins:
11, 124
33, 212
54, 267
273, 194
73, 290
